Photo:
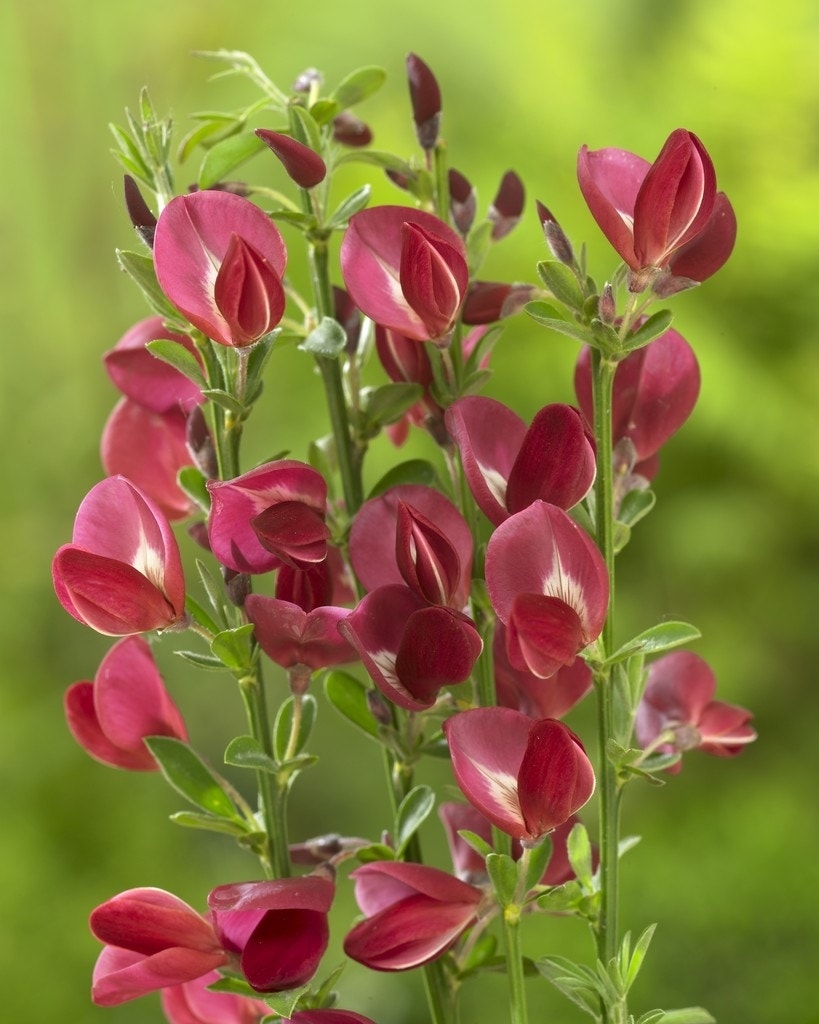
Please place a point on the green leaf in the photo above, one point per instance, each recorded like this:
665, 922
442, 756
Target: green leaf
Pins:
232, 983
358, 85
200, 615
179, 358
209, 823
304, 129
226, 401
284, 724
636, 960
347, 207
503, 873
193, 482
478, 843
415, 808
200, 134
635, 506
329, 339
201, 660
231, 648
544, 314
375, 851
323, 111
247, 752
141, 270
579, 850
561, 898
387, 403
478, 244
257, 361
662, 637
381, 159
226, 156
576, 983
414, 471
348, 696
188, 774
284, 1003
481, 951
656, 325
536, 862
651, 1017
215, 591
690, 1015
562, 283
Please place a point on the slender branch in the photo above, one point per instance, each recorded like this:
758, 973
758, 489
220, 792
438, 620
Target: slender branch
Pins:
514, 964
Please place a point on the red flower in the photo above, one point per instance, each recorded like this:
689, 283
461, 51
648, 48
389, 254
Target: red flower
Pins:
302, 164
406, 270
153, 940
122, 573
678, 700
527, 777
414, 913
290, 636
127, 701
220, 260
278, 928
662, 216
194, 1003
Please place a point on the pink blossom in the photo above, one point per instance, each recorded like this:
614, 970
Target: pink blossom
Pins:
290, 636
152, 940
278, 928
126, 702
326, 1017
527, 777
220, 260
679, 700
194, 1003
414, 913
662, 216
536, 697
122, 573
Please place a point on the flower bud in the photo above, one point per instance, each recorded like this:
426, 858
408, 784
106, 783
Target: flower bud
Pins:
558, 242
302, 164
141, 217
507, 206
349, 130
462, 201
425, 97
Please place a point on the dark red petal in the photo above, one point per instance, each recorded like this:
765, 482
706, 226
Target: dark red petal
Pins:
543, 634
555, 778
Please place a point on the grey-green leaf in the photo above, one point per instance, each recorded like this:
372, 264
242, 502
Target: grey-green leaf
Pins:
328, 339
226, 156
662, 637
414, 810
348, 696
188, 774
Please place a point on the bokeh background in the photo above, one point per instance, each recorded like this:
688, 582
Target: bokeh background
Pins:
727, 864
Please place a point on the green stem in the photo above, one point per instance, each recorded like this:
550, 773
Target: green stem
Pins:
272, 797
607, 938
514, 964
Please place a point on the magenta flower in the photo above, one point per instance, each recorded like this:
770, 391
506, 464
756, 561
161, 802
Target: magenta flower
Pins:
152, 940
655, 389
220, 260
530, 694
509, 466
122, 573
662, 216
127, 701
303, 165
194, 1003
413, 534
149, 448
488, 301
278, 928
410, 648
142, 377
272, 515
326, 1017
414, 914
290, 636
527, 777
406, 270
679, 702
548, 583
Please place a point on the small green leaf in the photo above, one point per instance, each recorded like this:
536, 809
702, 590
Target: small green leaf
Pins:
503, 873
193, 482
561, 898
481, 951
230, 646
328, 339
215, 592
304, 129
414, 810
690, 1015
478, 244
478, 843
579, 850
387, 403
323, 111
201, 660
358, 85
374, 156
414, 471
246, 752
347, 207
544, 314
662, 637
188, 774
651, 1017
635, 506
537, 859
232, 983
284, 724
637, 957
284, 1003
226, 156
209, 823
226, 401
562, 283
200, 615
348, 696
656, 325
141, 270
375, 851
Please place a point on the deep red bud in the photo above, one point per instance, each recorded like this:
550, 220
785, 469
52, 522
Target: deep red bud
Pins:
425, 97
141, 217
248, 292
426, 558
462, 201
606, 305
303, 164
349, 130
488, 301
559, 244
507, 206
294, 532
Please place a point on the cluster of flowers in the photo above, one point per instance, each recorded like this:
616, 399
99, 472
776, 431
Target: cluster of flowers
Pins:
220, 260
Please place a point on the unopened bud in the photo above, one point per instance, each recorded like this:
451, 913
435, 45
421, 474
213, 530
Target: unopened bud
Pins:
349, 130
606, 306
507, 206
200, 443
425, 97
237, 585
303, 164
462, 201
556, 239
141, 217
307, 79
379, 708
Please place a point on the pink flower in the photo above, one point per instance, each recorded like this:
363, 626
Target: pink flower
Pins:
122, 573
278, 928
662, 216
272, 515
655, 389
508, 466
152, 940
326, 1017
548, 583
220, 260
290, 636
142, 377
194, 1003
678, 700
127, 701
527, 777
410, 648
533, 696
406, 270
414, 914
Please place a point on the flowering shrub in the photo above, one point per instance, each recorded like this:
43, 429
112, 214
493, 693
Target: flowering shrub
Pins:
475, 588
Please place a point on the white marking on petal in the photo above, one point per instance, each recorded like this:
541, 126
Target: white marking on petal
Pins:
495, 482
503, 789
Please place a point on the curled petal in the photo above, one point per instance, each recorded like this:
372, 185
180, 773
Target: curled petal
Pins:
610, 180
532, 695
290, 636
248, 293
703, 256
543, 634
555, 778
294, 532
433, 277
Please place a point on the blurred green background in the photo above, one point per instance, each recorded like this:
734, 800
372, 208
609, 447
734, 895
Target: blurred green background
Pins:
728, 859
